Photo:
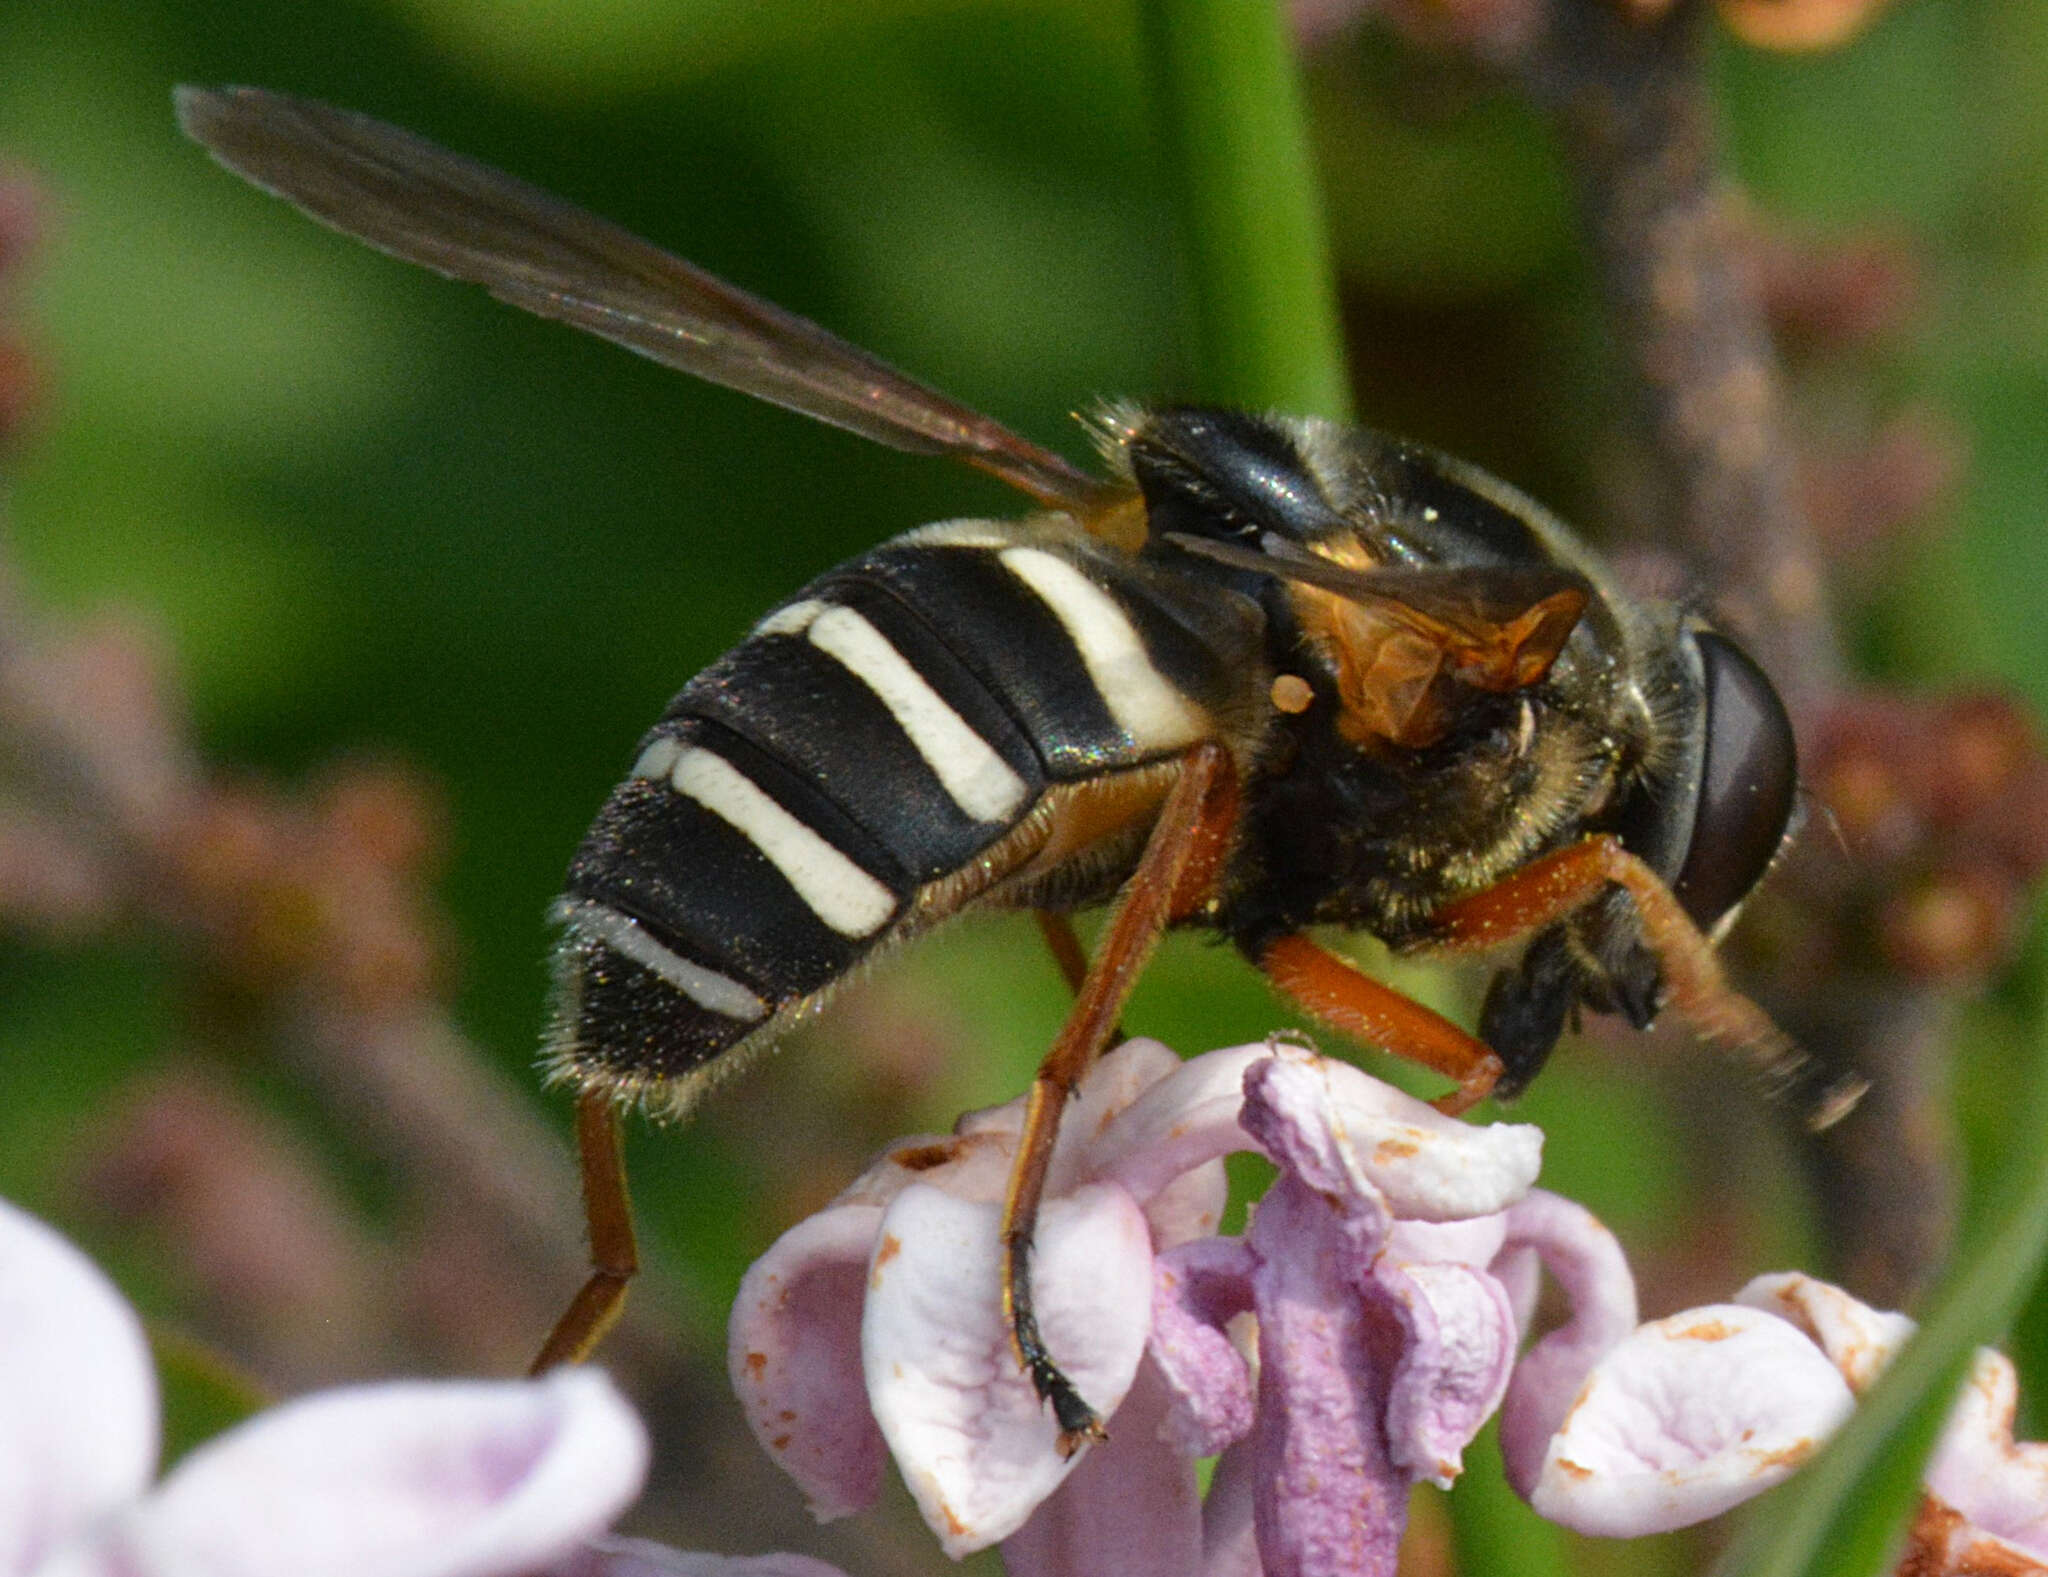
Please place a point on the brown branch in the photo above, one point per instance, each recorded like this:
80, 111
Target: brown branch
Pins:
1628, 93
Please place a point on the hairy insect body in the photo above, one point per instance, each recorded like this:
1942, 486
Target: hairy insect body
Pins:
967, 712
991, 712
1270, 673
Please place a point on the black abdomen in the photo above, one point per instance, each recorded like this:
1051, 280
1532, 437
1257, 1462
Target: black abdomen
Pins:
874, 736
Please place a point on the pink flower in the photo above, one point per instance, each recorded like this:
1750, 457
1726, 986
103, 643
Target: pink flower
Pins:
1349, 1345
875, 1327
1618, 1429
404, 1479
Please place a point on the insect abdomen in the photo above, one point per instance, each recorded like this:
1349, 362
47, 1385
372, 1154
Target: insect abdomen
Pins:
873, 738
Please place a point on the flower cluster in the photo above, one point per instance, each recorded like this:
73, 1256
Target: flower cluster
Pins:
1375, 1314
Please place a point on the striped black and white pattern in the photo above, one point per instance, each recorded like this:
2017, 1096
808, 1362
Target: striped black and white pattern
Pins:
873, 736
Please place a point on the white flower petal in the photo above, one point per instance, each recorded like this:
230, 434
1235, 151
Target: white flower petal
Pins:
1687, 1417
1859, 1340
974, 1443
1184, 1121
1476, 1243
1553, 1233
404, 1479
1189, 1207
1119, 1078
794, 1356
1131, 1508
2000, 1487
1430, 1167
78, 1409
974, 1165
1450, 1379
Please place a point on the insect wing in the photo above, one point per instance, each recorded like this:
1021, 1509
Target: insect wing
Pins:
1502, 626
416, 200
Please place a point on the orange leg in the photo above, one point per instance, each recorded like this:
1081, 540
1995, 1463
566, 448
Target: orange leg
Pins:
1546, 890
1366, 1009
1540, 894
614, 1256
1182, 858
1066, 948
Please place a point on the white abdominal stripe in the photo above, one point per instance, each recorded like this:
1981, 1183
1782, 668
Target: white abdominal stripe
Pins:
710, 990
833, 887
836, 890
864, 722
1143, 701
976, 779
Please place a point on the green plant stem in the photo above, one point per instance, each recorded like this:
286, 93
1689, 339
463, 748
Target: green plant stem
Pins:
1231, 137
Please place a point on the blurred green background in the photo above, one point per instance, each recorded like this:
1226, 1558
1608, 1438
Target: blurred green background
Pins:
378, 514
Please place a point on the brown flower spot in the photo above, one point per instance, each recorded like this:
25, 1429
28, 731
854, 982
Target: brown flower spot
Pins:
779, 1443
756, 1365
1787, 1456
922, 1157
1704, 1331
891, 1246
1573, 1469
1388, 1151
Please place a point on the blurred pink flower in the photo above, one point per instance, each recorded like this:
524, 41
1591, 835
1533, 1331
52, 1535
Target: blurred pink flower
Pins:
404, 1479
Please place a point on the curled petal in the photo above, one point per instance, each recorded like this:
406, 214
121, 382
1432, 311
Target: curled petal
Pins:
1187, 1119
1190, 1207
1476, 1243
1118, 1079
975, 1445
973, 1163
1999, 1487
78, 1416
1130, 1507
1944, 1543
1461, 1344
1687, 1417
408, 1479
1520, 1274
793, 1350
1197, 1290
1859, 1340
1593, 1272
1429, 1166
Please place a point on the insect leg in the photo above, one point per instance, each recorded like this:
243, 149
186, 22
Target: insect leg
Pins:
1181, 860
1546, 890
614, 1257
1348, 999
1066, 948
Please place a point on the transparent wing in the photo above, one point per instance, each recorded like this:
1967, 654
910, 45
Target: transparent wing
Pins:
405, 195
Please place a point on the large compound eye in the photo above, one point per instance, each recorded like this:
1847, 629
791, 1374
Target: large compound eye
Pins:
1746, 784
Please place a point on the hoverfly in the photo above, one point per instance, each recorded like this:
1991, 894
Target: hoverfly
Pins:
1270, 674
